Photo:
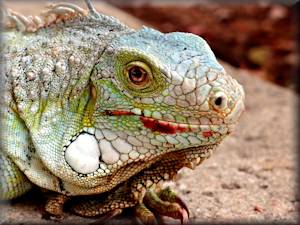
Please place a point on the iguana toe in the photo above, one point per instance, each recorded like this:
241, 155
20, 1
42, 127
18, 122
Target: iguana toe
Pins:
169, 195
55, 204
144, 215
166, 203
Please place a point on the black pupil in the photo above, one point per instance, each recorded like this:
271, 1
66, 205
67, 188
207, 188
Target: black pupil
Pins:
218, 101
136, 74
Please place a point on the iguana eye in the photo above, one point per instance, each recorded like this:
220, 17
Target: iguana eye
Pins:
139, 74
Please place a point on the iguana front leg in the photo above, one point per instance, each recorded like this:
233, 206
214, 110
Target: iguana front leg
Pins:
148, 207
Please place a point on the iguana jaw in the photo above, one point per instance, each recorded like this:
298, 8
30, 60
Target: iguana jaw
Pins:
172, 127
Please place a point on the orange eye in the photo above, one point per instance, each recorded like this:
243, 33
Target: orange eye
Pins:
137, 75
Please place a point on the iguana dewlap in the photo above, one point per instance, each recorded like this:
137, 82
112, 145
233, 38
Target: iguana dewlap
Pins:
92, 106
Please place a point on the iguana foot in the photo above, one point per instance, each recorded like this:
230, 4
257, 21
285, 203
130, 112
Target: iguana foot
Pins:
144, 215
165, 203
55, 204
169, 195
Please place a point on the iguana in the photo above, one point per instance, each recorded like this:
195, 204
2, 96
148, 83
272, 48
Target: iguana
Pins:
102, 114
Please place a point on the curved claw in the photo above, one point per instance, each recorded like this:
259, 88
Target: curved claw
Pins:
169, 205
184, 217
169, 195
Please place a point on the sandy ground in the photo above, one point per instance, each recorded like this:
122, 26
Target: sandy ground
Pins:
250, 178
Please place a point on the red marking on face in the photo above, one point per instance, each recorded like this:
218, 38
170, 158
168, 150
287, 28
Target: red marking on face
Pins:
181, 129
157, 125
207, 133
161, 126
118, 113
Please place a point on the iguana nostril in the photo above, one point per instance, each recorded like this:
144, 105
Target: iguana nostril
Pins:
219, 101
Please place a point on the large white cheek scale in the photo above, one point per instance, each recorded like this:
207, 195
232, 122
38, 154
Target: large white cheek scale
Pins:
83, 154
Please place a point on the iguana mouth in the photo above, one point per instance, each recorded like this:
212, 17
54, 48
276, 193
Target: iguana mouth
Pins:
173, 128
167, 127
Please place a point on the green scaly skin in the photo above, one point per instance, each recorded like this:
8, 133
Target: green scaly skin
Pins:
78, 125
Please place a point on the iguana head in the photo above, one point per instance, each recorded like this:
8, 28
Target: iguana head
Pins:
155, 93
109, 101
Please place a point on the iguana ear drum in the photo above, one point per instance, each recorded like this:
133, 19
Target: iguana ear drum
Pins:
83, 154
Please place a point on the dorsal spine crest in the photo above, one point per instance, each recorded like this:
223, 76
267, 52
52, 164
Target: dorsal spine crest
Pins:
53, 14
